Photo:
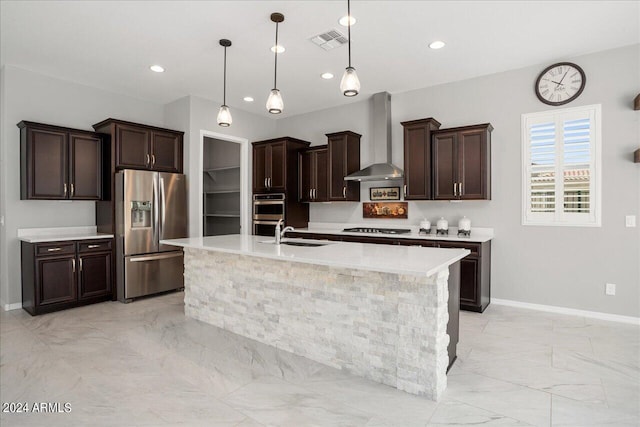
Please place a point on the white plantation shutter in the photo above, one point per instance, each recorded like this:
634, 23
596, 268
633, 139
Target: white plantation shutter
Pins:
561, 167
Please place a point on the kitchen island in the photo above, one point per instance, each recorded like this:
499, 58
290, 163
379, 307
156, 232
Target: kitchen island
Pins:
378, 311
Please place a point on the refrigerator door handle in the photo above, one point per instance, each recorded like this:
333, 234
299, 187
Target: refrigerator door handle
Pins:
155, 257
161, 205
156, 213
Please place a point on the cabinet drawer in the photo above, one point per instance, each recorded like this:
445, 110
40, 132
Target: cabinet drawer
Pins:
473, 247
94, 246
55, 248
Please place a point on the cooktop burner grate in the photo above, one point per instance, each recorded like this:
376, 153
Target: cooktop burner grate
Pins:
378, 230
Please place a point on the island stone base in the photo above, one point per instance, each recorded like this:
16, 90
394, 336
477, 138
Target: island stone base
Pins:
389, 328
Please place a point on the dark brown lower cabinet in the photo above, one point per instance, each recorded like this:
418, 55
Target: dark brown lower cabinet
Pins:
61, 275
94, 275
475, 268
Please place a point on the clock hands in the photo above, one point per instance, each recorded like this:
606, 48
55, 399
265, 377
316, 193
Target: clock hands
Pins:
560, 82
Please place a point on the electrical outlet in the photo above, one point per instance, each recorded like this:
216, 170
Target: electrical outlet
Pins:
610, 289
630, 221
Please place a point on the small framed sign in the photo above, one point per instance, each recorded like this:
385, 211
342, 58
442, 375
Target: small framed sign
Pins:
384, 193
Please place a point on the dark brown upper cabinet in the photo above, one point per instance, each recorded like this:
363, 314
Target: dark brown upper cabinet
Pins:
136, 146
462, 163
313, 171
275, 165
417, 158
344, 159
59, 163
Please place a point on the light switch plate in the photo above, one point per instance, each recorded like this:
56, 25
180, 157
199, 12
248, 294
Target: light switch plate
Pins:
610, 289
630, 221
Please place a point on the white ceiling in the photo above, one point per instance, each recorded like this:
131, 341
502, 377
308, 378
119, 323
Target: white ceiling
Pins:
111, 44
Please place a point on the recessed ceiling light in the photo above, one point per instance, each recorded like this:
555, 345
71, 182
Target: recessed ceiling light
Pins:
326, 76
248, 99
279, 48
157, 68
436, 44
344, 21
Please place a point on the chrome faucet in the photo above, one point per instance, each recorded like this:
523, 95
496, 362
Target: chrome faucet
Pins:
280, 232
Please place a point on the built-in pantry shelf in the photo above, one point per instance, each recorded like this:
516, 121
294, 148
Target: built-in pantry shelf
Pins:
220, 187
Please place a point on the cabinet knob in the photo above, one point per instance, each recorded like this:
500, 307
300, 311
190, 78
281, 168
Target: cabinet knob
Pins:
54, 249
148, 160
344, 192
153, 160
65, 189
73, 263
460, 189
93, 246
72, 190
405, 191
455, 188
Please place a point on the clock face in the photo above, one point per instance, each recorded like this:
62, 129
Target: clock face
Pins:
560, 83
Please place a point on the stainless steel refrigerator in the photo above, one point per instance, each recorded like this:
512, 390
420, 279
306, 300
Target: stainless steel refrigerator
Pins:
150, 206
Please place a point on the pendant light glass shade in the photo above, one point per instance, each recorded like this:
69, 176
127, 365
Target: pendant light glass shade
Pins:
224, 116
350, 85
275, 104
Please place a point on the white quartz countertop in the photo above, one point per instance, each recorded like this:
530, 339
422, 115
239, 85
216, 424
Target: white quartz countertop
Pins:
59, 234
478, 235
412, 260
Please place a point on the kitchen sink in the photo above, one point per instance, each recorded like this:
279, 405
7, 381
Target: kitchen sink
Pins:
310, 244
296, 243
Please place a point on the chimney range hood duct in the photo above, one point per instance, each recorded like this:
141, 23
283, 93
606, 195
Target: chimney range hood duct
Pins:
382, 168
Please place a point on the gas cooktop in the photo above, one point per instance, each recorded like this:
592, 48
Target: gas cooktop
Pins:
378, 230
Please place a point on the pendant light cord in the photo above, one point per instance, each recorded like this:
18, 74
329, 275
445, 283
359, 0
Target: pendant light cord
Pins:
275, 72
224, 89
349, 28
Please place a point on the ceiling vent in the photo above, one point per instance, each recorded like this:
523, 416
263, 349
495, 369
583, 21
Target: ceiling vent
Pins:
329, 40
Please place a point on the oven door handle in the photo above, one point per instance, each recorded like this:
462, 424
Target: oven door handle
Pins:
268, 202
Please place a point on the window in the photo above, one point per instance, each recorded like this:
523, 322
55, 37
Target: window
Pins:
561, 167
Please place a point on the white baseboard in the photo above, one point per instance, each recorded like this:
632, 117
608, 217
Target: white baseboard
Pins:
9, 307
570, 311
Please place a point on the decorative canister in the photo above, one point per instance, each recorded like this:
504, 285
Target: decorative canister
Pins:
464, 224
442, 224
425, 224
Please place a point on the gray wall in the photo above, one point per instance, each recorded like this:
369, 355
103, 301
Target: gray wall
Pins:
560, 266
202, 116
30, 96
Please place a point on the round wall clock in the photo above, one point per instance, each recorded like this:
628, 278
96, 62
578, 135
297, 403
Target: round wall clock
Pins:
560, 83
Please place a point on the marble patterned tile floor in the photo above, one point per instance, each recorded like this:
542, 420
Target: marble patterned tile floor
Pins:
145, 364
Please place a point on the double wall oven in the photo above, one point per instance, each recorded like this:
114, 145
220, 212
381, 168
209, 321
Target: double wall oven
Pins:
268, 209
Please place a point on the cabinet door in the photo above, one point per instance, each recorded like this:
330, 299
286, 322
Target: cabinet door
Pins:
85, 167
469, 280
132, 147
166, 152
277, 157
56, 280
259, 168
94, 275
306, 175
472, 164
321, 175
46, 165
337, 168
417, 163
444, 165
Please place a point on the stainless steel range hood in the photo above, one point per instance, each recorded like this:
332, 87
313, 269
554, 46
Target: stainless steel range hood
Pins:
382, 168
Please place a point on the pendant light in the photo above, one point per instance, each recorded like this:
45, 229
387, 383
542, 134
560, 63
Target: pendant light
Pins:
275, 105
224, 115
350, 85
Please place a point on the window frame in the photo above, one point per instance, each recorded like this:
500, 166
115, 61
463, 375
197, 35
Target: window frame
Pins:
559, 217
